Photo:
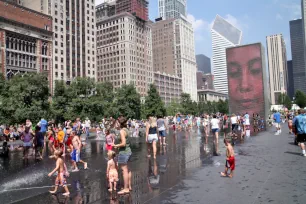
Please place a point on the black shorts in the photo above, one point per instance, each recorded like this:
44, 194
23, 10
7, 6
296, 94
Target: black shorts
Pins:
234, 127
301, 138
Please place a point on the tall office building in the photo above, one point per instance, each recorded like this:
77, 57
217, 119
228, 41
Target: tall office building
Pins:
224, 35
174, 52
298, 55
290, 88
124, 48
277, 62
74, 38
172, 8
25, 41
203, 63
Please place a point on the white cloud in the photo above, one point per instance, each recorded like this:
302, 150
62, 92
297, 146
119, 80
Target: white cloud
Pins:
279, 17
198, 24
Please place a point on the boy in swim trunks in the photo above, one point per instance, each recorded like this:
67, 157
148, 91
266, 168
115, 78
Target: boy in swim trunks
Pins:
76, 151
62, 173
230, 160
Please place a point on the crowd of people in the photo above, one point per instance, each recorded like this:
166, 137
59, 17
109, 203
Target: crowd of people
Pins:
59, 140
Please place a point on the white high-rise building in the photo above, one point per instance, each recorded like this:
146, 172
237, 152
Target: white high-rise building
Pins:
224, 35
74, 36
277, 61
172, 8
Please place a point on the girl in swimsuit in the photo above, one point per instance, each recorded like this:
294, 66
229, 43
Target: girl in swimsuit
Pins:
112, 172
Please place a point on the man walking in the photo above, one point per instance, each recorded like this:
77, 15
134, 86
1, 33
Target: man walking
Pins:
300, 124
277, 120
87, 127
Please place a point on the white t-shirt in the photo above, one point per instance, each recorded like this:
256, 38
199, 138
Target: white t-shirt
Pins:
214, 123
87, 123
234, 120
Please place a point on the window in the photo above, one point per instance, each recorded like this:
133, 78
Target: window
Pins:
55, 20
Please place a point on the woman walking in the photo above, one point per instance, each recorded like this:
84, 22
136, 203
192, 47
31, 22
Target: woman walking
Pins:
124, 155
151, 136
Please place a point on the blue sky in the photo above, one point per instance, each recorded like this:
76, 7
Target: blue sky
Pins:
256, 18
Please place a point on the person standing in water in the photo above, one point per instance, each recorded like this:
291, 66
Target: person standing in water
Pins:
76, 152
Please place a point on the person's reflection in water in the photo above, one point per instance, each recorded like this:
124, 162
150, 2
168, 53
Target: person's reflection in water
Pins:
245, 78
153, 176
77, 198
163, 160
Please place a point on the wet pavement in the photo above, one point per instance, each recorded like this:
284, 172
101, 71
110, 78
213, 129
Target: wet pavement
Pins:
269, 169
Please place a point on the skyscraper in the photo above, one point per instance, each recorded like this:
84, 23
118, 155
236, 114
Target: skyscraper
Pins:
124, 48
290, 88
174, 52
172, 8
298, 55
224, 35
74, 37
277, 62
203, 63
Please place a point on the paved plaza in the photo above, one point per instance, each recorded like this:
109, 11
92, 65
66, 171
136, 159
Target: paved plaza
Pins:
269, 169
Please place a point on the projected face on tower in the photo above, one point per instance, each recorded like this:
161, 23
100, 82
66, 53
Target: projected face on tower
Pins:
245, 79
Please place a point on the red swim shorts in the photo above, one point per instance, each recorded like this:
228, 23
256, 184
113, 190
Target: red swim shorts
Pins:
230, 163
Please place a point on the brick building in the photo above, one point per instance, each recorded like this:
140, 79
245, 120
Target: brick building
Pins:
137, 8
25, 41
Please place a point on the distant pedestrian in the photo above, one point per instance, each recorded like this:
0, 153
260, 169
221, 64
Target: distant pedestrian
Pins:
277, 120
300, 123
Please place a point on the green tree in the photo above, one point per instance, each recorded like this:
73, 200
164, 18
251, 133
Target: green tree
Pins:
128, 102
24, 97
60, 102
173, 108
300, 99
222, 106
153, 103
284, 100
187, 104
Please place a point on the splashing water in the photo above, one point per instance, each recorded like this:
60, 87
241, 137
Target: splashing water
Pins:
25, 180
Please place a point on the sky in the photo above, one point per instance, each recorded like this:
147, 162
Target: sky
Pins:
255, 18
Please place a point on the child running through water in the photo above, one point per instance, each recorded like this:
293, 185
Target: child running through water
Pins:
62, 173
230, 160
112, 172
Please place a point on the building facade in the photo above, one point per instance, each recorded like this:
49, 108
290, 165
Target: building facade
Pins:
168, 86
25, 41
224, 35
203, 63
298, 55
205, 95
290, 88
205, 81
124, 50
174, 52
277, 63
137, 8
168, 9
74, 38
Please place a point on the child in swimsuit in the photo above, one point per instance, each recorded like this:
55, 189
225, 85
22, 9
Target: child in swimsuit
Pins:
62, 173
112, 172
230, 160
109, 140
